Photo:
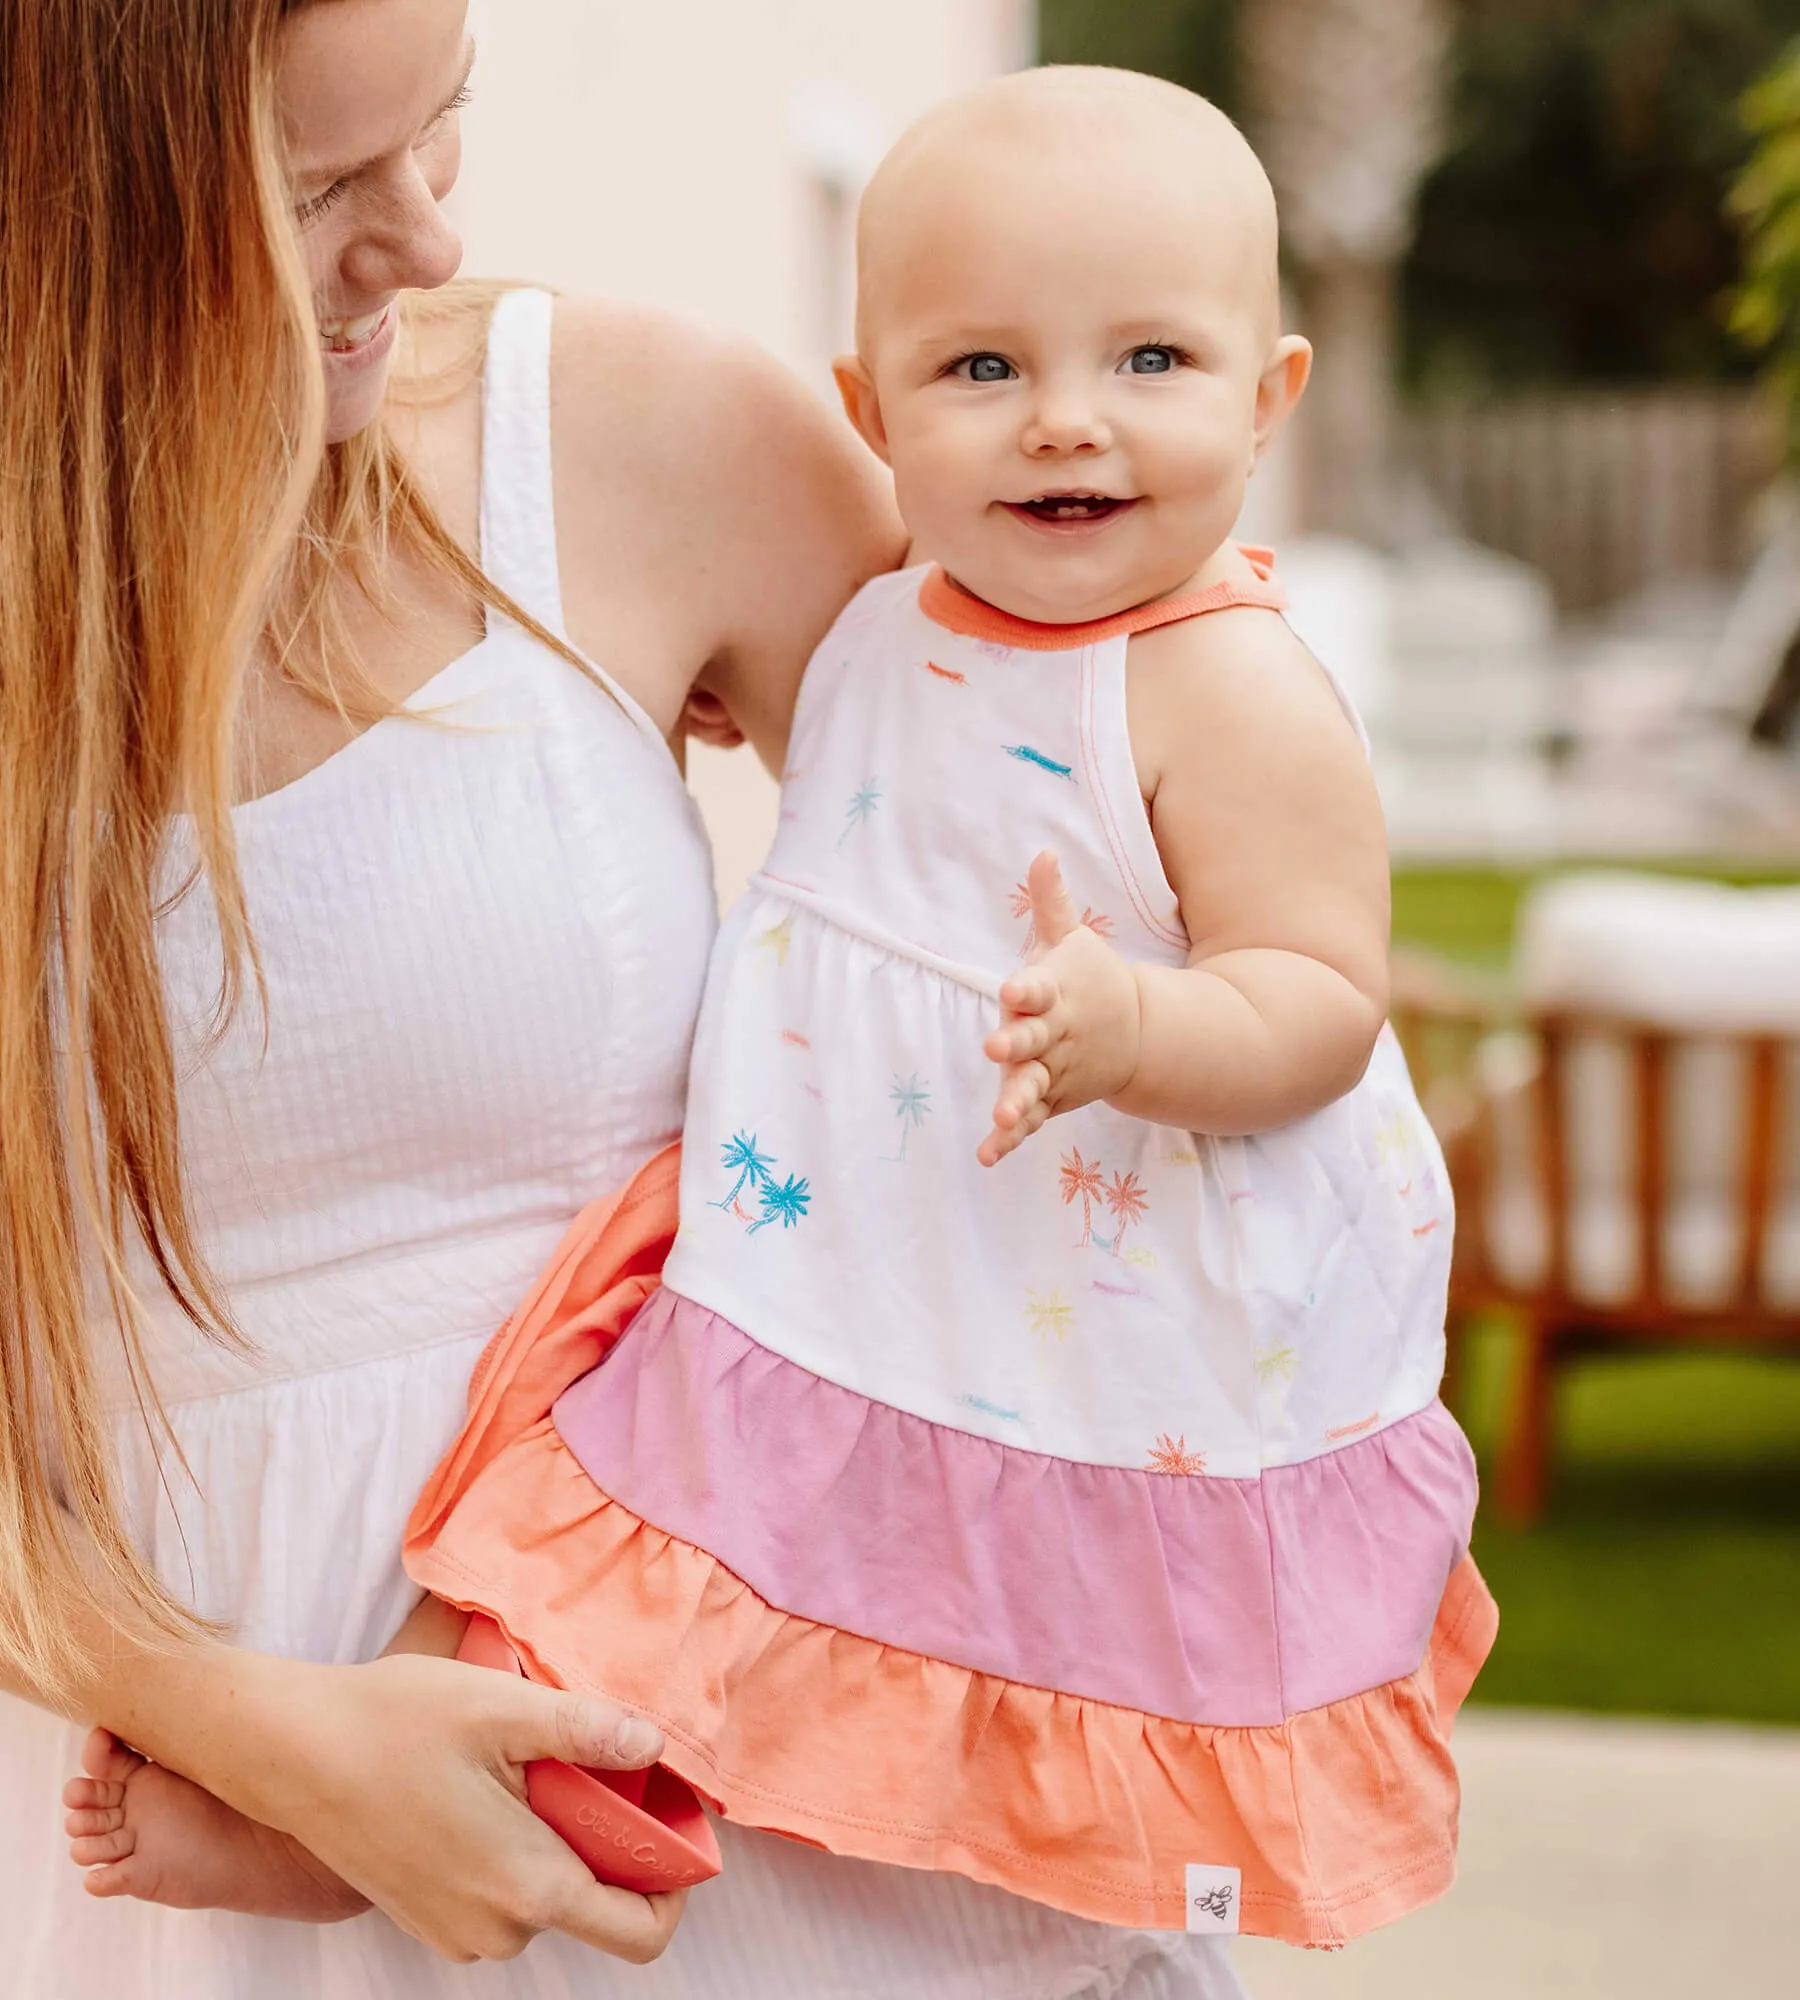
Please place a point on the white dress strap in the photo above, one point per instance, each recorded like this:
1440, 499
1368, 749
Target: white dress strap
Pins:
518, 509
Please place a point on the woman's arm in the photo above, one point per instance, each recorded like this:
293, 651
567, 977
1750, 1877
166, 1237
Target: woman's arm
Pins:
714, 516
404, 1777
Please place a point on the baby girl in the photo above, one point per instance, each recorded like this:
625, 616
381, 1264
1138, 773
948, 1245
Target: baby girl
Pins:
1071, 1508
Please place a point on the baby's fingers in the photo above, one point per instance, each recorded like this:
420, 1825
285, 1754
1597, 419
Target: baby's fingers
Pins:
1020, 1041
1030, 991
1022, 1108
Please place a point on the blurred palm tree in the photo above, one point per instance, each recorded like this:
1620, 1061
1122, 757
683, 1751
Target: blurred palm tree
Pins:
1347, 102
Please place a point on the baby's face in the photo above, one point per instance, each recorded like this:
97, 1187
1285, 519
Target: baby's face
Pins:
1069, 373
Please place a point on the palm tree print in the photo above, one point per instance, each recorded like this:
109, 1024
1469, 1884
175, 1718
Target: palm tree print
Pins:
1051, 1318
776, 940
1128, 1201
1171, 1455
1081, 1183
863, 802
912, 1106
1021, 907
743, 1159
1280, 1364
786, 1203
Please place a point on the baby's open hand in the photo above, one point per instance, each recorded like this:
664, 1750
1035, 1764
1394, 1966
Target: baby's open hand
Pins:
1070, 1031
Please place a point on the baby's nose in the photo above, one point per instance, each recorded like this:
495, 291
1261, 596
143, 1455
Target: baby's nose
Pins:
1064, 422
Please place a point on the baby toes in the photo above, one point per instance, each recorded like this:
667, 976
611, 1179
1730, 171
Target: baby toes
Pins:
106, 1759
92, 1795
99, 1850
86, 1821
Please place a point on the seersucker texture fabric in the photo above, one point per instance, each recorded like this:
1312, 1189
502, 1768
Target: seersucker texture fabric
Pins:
484, 929
1113, 1483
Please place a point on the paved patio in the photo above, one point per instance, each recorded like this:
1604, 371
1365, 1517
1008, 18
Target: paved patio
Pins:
1600, 1858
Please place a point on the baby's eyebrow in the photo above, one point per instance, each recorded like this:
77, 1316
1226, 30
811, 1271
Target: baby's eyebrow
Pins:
955, 340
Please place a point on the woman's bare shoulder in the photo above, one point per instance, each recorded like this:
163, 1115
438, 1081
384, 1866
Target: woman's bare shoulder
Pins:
692, 464
680, 396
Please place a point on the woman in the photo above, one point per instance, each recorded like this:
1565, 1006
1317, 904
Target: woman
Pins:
368, 922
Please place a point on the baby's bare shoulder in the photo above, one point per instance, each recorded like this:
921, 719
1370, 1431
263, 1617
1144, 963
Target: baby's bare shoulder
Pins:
1232, 688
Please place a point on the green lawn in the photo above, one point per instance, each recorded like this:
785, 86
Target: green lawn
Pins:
1665, 1577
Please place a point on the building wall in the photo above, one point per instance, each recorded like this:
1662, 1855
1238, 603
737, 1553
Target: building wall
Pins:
708, 157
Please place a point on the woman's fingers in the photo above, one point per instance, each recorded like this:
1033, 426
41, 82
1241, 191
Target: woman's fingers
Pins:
536, 1722
632, 1927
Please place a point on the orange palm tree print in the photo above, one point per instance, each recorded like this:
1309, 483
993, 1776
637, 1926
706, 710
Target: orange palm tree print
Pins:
1171, 1455
1081, 1182
1128, 1201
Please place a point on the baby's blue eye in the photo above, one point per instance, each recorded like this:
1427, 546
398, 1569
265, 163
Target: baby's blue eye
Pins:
1152, 361
988, 368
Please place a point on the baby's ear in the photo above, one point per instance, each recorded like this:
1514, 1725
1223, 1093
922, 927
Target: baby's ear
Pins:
1284, 380
861, 403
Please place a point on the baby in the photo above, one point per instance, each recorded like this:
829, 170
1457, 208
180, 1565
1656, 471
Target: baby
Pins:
1069, 1508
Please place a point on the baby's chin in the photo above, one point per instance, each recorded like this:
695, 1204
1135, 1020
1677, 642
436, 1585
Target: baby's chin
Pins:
1068, 583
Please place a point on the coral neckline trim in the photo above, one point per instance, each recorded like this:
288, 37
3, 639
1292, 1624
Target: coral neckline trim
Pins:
946, 603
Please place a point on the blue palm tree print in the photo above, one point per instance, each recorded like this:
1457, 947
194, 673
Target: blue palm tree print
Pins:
912, 1106
786, 1203
863, 802
743, 1158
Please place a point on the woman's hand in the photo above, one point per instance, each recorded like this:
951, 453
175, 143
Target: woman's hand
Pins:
406, 1778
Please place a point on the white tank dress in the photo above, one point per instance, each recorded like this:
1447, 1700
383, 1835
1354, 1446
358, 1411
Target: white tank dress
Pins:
376, 1190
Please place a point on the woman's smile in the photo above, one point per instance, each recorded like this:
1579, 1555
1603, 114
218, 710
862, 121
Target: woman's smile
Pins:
351, 345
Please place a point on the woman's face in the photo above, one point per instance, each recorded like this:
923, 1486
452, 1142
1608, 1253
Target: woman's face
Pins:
369, 93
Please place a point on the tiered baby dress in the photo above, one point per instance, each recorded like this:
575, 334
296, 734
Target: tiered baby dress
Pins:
1089, 1526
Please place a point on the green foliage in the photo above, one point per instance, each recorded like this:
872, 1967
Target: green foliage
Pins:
1575, 230
1765, 310
1192, 42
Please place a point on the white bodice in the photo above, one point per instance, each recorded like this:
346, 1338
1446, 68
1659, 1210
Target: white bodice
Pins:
483, 928
1114, 1293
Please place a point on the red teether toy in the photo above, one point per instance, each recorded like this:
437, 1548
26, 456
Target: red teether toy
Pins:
642, 1830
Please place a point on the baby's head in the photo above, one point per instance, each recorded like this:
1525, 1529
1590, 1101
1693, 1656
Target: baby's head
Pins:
1069, 337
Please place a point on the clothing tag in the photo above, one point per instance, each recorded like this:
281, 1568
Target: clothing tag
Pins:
1213, 1895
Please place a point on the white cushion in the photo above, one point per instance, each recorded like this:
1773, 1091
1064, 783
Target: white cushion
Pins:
1684, 955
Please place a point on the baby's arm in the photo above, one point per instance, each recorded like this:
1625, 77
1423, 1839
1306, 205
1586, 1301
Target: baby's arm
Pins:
1269, 828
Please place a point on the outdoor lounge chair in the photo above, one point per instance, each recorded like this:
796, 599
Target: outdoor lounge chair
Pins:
1625, 1149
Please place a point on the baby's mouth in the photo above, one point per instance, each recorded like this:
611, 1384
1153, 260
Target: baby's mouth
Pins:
1071, 510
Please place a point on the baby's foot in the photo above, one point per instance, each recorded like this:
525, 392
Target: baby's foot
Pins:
141, 1831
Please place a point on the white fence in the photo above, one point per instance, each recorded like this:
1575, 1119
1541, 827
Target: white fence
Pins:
1606, 492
